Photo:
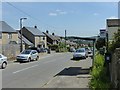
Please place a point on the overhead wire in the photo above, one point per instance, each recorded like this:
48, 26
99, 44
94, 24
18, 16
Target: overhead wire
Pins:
32, 16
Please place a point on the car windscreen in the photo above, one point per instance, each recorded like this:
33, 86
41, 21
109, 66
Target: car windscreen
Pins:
80, 50
26, 52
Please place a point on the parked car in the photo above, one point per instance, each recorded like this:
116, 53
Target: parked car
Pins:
35, 48
28, 55
90, 53
80, 53
48, 50
3, 61
42, 50
72, 49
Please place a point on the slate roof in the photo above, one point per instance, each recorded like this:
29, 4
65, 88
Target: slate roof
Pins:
34, 31
25, 40
51, 36
4, 27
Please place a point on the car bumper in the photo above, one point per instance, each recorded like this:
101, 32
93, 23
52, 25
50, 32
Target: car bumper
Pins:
78, 56
22, 60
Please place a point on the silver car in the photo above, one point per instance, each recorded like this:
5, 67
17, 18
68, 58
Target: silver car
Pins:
3, 61
28, 55
80, 53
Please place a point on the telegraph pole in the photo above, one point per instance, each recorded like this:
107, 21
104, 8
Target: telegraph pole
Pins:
21, 44
65, 40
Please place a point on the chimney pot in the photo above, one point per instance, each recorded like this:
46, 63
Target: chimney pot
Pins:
53, 34
35, 26
47, 31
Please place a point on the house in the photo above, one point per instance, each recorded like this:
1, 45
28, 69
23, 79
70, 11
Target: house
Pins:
8, 40
52, 39
102, 33
7, 34
32, 36
0, 42
112, 27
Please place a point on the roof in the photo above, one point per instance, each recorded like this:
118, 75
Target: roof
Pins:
57, 37
25, 40
113, 22
35, 31
51, 36
4, 27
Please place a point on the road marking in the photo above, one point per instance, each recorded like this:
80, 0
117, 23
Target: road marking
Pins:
24, 69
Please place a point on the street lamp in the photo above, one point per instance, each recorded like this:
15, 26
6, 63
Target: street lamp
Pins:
21, 33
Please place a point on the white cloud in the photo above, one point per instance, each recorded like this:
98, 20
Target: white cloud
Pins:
62, 12
113, 17
95, 14
58, 10
53, 14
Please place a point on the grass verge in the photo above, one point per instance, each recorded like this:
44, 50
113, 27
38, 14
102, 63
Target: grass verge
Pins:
99, 80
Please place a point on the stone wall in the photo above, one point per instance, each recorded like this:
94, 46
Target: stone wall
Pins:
115, 69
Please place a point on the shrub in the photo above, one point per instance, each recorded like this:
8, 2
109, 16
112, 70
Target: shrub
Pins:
53, 47
99, 76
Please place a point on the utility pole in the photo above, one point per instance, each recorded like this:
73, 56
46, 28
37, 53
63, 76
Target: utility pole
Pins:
65, 40
21, 48
93, 53
107, 41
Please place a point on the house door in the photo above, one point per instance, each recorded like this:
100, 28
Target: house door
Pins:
39, 46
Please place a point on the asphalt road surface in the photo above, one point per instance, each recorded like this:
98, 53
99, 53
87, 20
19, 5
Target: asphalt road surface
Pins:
37, 73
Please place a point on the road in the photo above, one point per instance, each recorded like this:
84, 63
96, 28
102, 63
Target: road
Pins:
37, 73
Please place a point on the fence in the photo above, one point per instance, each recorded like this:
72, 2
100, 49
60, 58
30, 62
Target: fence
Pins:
10, 50
115, 69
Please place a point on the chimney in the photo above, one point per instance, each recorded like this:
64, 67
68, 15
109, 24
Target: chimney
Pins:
35, 26
47, 31
53, 34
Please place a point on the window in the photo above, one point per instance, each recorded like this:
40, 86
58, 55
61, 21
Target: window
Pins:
9, 36
43, 38
12, 42
0, 56
44, 46
34, 52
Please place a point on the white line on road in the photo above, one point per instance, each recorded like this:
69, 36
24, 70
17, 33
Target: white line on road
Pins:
24, 69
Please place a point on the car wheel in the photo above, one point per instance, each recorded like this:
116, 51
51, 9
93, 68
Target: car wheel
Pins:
85, 57
29, 59
37, 58
4, 64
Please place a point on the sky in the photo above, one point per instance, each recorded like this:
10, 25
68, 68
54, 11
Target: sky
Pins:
77, 18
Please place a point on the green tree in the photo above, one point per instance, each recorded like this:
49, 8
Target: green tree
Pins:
116, 41
100, 43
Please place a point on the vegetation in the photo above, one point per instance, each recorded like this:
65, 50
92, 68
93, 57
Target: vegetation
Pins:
116, 42
100, 43
61, 47
99, 76
53, 47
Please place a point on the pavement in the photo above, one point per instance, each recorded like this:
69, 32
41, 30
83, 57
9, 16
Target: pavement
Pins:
77, 75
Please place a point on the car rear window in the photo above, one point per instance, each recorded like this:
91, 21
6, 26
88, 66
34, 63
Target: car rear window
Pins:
80, 50
26, 52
